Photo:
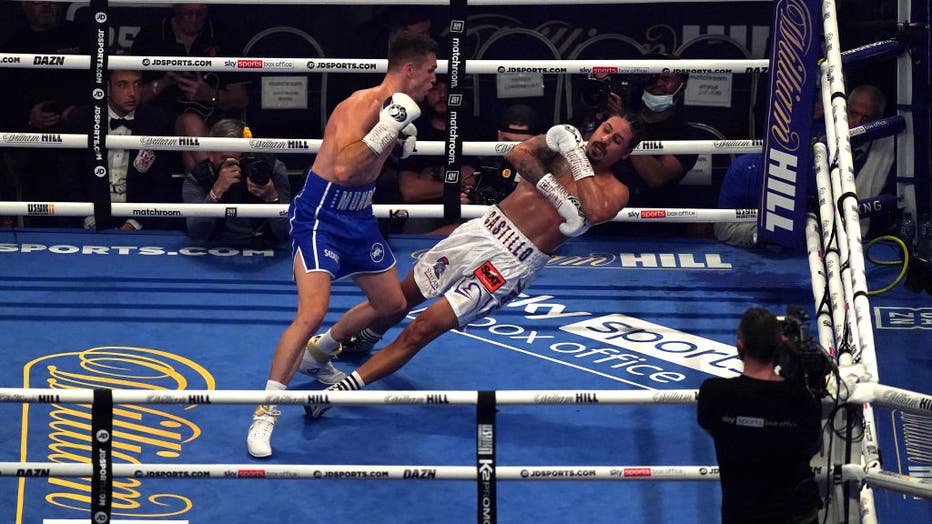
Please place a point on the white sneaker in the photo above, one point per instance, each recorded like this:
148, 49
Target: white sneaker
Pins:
259, 439
317, 364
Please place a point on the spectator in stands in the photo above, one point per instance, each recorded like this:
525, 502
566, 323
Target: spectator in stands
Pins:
195, 100
874, 161
137, 175
37, 100
873, 173
421, 177
235, 178
649, 176
657, 99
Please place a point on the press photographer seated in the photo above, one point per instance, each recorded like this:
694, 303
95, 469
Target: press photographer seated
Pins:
232, 177
766, 430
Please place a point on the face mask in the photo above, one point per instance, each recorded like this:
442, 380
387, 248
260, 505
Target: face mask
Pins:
657, 103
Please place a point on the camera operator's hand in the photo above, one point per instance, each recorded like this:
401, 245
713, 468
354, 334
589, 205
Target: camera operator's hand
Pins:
614, 104
44, 114
193, 86
267, 192
229, 174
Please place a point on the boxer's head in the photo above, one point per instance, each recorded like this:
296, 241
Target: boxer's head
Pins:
613, 140
412, 57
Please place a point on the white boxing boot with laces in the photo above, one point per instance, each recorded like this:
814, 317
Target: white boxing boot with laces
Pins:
259, 438
318, 364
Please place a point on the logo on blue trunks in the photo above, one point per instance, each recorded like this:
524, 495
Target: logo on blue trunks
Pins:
377, 253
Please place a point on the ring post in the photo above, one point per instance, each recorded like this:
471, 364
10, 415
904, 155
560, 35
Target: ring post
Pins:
485, 457
102, 456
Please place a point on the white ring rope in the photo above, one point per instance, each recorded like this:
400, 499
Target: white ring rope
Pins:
312, 146
363, 471
433, 2
886, 396
380, 65
885, 479
224, 210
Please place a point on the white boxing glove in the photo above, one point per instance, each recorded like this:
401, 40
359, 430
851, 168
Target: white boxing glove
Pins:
568, 206
567, 141
398, 111
408, 137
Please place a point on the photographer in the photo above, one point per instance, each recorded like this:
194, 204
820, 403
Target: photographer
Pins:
495, 178
237, 178
766, 429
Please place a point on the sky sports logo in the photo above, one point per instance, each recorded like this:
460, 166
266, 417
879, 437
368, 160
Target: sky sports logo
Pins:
619, 348
654, 340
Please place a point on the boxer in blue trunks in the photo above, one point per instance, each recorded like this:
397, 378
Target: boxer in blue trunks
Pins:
334, 233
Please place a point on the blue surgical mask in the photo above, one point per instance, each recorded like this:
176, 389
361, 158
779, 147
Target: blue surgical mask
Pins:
657, 103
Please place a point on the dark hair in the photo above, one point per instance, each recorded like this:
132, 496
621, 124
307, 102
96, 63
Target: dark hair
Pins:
111, 71
760, 334
407, 46
228, 128
520, 114
636, 122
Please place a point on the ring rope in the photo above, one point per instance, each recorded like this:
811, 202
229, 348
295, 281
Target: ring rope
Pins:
380, 65
861, 393
869, 131
849, 472
224, 210
312, 146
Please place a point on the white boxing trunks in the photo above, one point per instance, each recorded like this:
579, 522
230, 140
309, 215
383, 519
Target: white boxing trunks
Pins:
482, 265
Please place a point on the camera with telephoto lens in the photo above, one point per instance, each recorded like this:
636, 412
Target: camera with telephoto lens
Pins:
593, 92
801, 359
492, 184
256, 168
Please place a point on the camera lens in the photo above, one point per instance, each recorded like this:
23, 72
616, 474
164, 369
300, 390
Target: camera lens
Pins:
256, 169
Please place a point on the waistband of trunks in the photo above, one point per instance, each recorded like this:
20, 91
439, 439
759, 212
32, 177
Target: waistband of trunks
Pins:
337, 197
503, 230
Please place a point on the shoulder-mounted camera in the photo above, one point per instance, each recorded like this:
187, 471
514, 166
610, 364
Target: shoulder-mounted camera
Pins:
801, 359
593, 92
492, 184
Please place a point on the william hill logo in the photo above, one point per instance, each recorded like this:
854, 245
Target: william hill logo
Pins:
651, 145
43, 210
52, 139
298, 144
188, 141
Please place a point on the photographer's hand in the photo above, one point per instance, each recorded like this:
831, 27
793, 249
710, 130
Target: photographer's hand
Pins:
229, 174
614, 104
267, 193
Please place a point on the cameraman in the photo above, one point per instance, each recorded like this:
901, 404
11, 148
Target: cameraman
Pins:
495, 178
237, 178
766, 430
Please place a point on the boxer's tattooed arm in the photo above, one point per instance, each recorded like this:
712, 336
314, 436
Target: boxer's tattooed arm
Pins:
532, 158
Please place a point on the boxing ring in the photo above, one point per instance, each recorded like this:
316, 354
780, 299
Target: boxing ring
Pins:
135, 358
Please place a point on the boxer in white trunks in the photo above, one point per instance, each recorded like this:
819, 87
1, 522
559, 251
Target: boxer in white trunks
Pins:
566, 186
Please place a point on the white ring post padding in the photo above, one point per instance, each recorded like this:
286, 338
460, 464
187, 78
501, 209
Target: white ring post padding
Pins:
380, 65
165, 210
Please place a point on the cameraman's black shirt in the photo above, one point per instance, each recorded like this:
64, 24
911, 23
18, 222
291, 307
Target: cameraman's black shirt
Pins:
765, 433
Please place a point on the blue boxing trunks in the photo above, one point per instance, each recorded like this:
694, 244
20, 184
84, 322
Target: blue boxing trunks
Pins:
334, 230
